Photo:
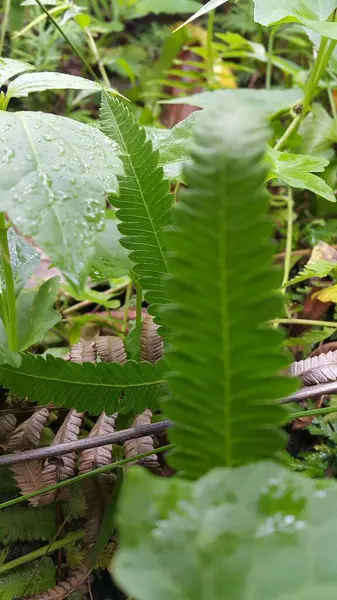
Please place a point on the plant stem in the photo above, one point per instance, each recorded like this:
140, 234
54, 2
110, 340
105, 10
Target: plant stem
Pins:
96, 55
7, 6
270, 57
12, 325
139, 300
17, 562
316, 71
311, 413
291, 129
332, 101
73, 47
61, 484
289, 241
128, 295
304, 322
210, 57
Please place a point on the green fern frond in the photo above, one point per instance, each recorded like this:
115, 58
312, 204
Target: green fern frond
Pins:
86, 387
144, 202
223, 360
35, 578
319, 268
26, 523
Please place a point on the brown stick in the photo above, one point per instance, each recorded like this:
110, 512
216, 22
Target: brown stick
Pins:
304, 252
90, 442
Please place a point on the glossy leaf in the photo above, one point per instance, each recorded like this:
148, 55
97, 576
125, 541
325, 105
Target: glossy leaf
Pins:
144, 202
110, 260
87, 386
24, 260
36, 314
270, 101
297, 171
9, 68
310, 13
319, 132
54, 173
257, 532
223, 383
211, 5
39, 82
8, 357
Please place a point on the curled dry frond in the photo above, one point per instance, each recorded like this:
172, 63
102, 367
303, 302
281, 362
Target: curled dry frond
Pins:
316, 369
77, 581
28, 477
144, 444
7, 426
28, 434
97, 488
152, 344
62, 467
111, 349
84, 351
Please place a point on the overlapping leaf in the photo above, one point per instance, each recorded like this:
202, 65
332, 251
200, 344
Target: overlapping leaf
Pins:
93, 388
258, 532
223, 359
144, 200
9, 68
54, 173
310, 13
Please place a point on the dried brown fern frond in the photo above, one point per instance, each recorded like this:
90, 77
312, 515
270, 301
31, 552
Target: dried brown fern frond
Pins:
7, 426
143, 444
63, 467
29, 477
151, 343
97, 488
28, 434
111, 349
77, 581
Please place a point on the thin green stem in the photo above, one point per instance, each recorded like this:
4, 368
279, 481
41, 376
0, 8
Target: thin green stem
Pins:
128, 295
270, 57
289, 240
7, 7
21, 560
311, 413
315, 74
210, 56
294, 125
64, 35
138, 332
12, 324
116, 465
294, 321
96, 55
331, 101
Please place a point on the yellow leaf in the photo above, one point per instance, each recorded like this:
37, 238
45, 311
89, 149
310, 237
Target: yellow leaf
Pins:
328, 294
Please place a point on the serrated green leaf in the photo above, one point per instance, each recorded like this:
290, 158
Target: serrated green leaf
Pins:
211, 5
9, 68
141, 8
297, 171
36, 577
313, 268
54, 173
270, 101
87, 387
36, 314
27, 523
222, 367
7, 356
309, 338
319, 131
39, 82
256, 533
144, 201
110, 260
24, 260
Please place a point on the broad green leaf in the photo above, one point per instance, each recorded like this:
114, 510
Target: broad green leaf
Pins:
314, 268
54, 173
223, 358
211, 5
39, 82
8, 357
173, 145
110, 260
141, 8
10, 67
24, 260
309, 338
36, 314
310, 13
144, 201
297, 171
319, 131
87, 387
254, 533
270, 101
